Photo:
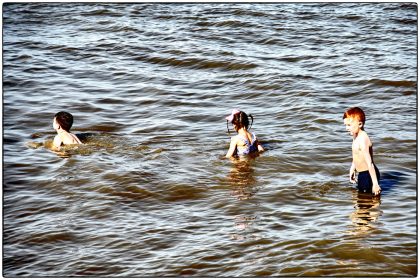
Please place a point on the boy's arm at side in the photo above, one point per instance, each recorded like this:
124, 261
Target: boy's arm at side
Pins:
376, 189
232, 147
352, 174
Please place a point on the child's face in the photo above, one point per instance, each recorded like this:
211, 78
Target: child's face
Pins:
353, 126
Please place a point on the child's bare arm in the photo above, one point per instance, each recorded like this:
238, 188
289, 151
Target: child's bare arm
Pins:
260, 148
376, 189
352, 174
232, 148
57, 142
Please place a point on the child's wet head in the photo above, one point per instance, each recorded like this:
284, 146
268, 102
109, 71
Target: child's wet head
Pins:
240, 120
63, 120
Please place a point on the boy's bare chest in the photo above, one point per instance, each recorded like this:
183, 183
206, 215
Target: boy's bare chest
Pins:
356, 148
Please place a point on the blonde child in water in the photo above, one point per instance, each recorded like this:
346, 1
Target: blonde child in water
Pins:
368, 177
62, 124
245, 142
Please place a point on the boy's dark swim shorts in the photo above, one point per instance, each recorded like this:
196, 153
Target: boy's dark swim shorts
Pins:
364, 181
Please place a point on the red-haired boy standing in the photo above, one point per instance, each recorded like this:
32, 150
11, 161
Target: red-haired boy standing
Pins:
368, 178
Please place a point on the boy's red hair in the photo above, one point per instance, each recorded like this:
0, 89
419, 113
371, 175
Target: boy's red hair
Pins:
356, 113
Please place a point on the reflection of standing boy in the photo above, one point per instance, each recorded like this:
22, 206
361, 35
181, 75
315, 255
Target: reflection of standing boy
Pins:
368, 178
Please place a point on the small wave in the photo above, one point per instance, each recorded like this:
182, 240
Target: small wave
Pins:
117, 28
196, 63
234, 23
165, 17
296, 58
9, 83
21, 83
101, 12
325, 121
30, 44
350, 17
107, 29
270, 41
133, 192
34, 145
174, 52
22, 58
243, 12
52, 237
183, 192
401, 6
308, 16
406, 21
265, 87
63, 49
110, 101
380, 82
409, 92
106, 127
227, 23
35, 69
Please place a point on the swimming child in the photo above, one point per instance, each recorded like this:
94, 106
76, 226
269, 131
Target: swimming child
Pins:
368, 177
62, 124
245, 142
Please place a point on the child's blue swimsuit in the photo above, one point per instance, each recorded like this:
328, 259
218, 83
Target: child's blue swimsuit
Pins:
364, 181
250, 147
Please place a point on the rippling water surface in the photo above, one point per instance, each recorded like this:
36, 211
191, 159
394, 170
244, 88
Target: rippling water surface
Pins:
149, 193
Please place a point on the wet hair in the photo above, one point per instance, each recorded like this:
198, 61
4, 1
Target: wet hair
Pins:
355, 113
65, 120
241, 120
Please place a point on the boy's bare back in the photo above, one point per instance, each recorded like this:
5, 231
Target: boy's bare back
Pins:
66, 138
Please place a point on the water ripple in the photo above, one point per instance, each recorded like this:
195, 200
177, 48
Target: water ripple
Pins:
149, 194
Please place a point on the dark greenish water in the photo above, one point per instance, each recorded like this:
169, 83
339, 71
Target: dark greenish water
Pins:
149, 193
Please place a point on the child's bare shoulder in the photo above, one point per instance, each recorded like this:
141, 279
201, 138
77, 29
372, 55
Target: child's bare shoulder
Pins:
364, 139
58, 139
69, 138
234, 138
75, 139
365, 135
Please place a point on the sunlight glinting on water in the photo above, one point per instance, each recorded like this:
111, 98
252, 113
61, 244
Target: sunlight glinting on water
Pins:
149, 193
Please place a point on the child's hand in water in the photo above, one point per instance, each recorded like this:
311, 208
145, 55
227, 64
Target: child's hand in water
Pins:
353, 178
376, 190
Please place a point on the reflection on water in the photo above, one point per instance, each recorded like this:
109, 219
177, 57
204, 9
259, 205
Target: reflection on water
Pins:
390, 180
367, 206
366, 212
241, 179
148, 193
244, 187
